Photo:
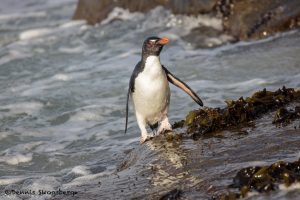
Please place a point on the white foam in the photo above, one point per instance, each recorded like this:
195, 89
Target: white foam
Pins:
29, 108
87, 115
190, 22
179, 25
16, 158
294, 186
120, 13
52, 147
26, 147
14, 54
81, 170
86, 179
73, 23
9, 181
3, 135
213, 41
44, 183
61, 77
34, 33
15, 16
42, 32
68, 50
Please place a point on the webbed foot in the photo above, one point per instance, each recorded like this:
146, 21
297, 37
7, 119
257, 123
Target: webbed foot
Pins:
165, 126
145, 139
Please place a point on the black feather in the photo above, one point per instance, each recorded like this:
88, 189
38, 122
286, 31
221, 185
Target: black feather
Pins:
138, 69
170, 77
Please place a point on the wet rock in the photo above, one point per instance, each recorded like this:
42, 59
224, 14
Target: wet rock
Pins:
256, 19
207, 120
284, 116
265, 178
229, 196
242, 19
204, 37
172, 195
95, 11
202, 169
243, 177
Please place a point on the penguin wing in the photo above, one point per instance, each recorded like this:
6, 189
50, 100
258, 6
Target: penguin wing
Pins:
127, 102
138, 68
178, 83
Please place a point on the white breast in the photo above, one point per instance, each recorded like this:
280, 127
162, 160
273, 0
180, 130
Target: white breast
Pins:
151, 91
152, 66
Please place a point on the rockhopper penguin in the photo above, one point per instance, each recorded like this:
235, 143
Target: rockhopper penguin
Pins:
150, 91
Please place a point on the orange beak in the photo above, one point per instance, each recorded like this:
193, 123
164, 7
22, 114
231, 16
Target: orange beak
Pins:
163, 41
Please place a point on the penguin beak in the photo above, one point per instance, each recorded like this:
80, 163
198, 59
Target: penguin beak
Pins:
163, 41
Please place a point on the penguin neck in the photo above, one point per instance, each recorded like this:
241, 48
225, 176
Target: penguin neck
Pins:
152, 65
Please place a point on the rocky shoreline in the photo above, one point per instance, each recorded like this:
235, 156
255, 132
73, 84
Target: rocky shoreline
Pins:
241, 19
263, 179
191, 164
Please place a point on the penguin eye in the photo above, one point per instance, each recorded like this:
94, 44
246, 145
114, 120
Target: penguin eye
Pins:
152, 41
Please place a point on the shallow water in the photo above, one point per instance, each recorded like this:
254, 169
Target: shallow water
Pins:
63, 85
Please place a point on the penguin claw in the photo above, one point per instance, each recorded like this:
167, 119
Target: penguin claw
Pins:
145, 139
166, 131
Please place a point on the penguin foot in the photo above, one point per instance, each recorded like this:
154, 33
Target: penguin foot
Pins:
145, 139
165, 126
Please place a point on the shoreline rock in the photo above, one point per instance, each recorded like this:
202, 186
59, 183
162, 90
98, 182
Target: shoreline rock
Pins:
241, 19
255, 19
94, 11
176, 166
263, 179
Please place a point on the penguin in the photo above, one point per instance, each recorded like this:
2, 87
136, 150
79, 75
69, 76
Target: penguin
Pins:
150, 91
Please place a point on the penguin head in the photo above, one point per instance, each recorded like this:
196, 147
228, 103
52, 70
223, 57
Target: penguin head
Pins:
153, 46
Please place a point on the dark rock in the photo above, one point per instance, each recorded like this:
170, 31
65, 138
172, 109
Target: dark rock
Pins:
204, 36
95, 11
242, 19
255, 19
243, 177
172, 195
203, 168
265, 178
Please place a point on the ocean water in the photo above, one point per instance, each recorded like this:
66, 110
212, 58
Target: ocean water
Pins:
63, 86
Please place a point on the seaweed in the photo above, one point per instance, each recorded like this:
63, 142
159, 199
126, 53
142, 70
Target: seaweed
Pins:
263, 179
241, 111
284, 116
172, 195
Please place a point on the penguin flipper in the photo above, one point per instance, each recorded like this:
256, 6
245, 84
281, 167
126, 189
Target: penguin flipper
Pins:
138, 68
130, 89
127, 102
178, 83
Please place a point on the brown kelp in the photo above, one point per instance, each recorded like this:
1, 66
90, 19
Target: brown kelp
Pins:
243, 110
263, 179
284, 116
